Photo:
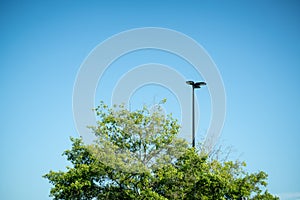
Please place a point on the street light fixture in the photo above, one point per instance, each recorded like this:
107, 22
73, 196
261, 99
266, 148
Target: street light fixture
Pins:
194, 85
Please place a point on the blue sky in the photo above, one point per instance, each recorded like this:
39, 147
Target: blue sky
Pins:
255, 45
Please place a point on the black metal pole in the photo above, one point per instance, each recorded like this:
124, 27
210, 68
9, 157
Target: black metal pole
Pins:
194, 85
193, 116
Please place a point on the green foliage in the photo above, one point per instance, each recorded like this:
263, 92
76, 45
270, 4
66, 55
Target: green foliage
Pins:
144, 138
138, 156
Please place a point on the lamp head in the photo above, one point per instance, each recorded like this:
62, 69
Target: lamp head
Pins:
199, 84
195, 85
190, 82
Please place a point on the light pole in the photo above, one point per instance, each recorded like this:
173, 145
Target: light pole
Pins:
194, 85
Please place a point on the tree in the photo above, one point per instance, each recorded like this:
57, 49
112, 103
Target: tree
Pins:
138, 156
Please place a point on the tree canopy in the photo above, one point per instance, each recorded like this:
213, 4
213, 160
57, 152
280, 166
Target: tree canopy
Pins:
138, 156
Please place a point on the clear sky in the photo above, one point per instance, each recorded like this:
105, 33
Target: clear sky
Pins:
255, 45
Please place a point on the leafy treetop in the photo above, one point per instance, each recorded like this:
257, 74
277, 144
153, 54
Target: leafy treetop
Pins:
138, 156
